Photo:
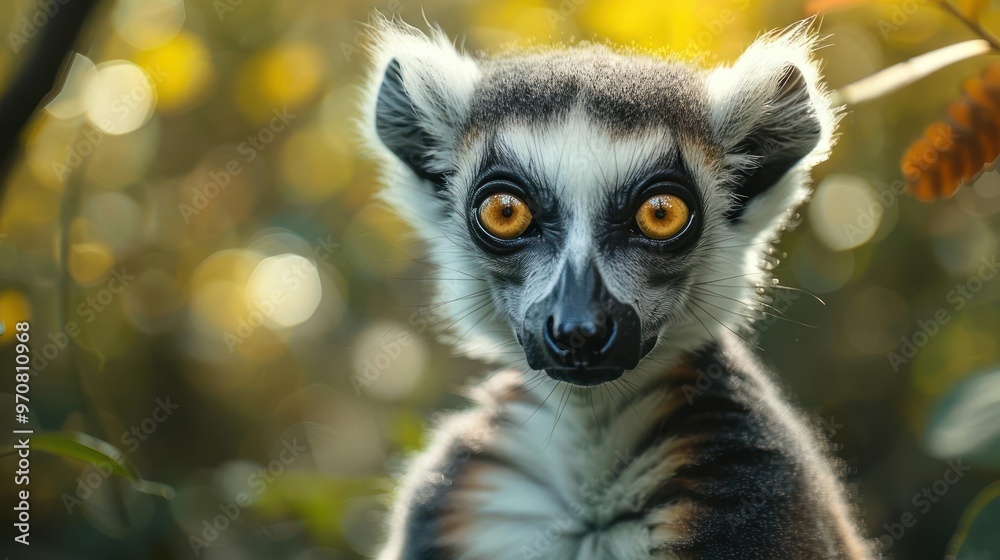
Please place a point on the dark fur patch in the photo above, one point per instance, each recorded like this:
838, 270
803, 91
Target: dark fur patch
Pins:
398, 126
786, 135
624, 92
753, 494
424, 525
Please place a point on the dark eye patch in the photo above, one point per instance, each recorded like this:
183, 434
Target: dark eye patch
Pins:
498, 163
499, 171
665, 175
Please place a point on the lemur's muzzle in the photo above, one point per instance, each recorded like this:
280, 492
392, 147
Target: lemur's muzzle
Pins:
580, 333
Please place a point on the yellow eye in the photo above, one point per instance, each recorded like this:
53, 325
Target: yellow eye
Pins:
662, 216
505, 216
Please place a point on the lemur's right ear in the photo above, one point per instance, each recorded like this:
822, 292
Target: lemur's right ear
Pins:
420, 96
774, 121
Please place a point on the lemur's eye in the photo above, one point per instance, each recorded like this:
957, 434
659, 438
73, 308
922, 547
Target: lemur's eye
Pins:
504, 216
662, 216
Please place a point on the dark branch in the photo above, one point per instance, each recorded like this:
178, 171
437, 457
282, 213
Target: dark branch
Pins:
36, 78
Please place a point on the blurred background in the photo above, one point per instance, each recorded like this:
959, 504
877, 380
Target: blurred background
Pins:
192, 235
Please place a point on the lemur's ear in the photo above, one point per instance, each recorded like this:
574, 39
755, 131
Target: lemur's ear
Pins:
419, 98
774, 122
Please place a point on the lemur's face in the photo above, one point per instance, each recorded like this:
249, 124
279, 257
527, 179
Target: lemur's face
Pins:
589, 206
587, 237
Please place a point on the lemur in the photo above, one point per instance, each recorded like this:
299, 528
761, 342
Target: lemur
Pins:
596, 218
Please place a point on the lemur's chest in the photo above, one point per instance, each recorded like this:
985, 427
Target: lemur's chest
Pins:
705, 466
569, 481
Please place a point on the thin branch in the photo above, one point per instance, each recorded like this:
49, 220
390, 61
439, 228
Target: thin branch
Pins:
905, 73
38, 75
890, 79
972, 24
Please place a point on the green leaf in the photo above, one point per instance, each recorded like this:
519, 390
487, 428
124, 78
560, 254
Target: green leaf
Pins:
76, 445
966, 422
977, 536
86, 448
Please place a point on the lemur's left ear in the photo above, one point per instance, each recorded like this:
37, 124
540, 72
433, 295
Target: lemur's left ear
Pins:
774, 122
419, 97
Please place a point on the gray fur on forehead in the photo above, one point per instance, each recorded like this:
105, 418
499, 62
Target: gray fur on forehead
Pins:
623, 91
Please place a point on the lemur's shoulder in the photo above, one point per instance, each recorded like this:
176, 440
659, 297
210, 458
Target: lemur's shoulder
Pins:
779, 465
711, 464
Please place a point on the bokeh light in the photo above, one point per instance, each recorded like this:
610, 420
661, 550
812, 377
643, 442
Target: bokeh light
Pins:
845, 212
286, 288
181, 70
207, 154
389, 360
14, 308
147, 24
818, 268
119, 97
969, 422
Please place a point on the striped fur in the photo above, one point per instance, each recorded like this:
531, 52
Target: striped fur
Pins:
709, 462
694, 453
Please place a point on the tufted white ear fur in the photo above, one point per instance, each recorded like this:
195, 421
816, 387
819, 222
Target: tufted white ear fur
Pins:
416, 110
775, 121
418, 99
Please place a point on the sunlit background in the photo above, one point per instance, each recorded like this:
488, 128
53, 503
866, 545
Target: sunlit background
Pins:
225, 263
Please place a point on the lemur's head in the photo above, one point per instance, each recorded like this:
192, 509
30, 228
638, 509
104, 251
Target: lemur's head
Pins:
590, 204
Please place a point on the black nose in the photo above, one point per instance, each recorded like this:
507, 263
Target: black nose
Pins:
579, 341
580, 333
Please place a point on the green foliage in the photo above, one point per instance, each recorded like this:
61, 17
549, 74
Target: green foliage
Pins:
978, 534
87, 448
966, 422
